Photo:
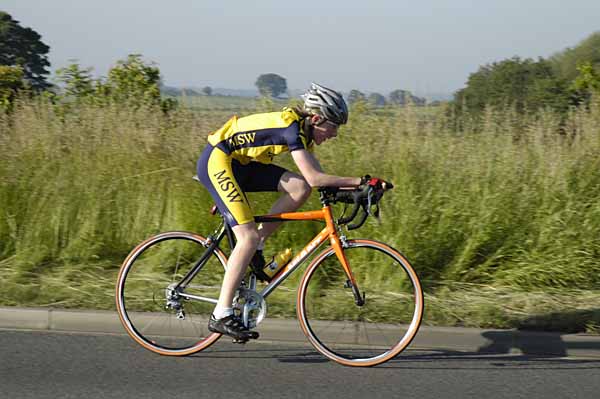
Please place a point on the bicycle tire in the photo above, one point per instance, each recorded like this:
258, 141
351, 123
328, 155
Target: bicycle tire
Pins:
355, 335
141, 293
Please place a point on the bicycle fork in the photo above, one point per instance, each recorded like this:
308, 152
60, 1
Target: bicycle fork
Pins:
338, 244
358, 298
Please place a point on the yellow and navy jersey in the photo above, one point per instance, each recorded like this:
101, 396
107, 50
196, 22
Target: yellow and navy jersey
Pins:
260, 137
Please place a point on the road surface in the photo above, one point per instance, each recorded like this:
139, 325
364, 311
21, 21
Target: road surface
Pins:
35, 364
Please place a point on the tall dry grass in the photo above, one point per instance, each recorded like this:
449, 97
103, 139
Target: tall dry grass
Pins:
510, 206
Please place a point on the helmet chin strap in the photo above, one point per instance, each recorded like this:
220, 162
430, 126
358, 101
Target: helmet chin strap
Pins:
308, 128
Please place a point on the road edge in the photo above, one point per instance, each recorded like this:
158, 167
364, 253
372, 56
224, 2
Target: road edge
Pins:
446, 339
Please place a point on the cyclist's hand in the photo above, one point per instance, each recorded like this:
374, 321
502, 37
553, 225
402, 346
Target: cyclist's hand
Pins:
375, 182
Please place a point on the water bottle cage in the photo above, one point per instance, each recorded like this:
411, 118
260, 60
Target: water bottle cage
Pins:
256, 265
261, 275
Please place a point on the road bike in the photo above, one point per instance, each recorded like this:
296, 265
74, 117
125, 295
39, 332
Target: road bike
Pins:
359, 302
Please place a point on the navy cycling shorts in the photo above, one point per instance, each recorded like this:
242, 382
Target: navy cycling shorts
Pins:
227, 181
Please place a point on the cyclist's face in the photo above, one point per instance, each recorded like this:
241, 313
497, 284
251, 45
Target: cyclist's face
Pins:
323, 130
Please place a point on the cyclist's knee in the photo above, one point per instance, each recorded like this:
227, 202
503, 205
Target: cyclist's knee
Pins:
304, 189
247, 235
296, 186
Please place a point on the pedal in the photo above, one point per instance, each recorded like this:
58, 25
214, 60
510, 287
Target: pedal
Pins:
252, 335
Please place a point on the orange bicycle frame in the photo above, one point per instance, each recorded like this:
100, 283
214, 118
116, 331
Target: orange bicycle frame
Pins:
329, 232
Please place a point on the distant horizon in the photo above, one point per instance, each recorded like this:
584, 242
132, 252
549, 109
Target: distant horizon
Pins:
293, 92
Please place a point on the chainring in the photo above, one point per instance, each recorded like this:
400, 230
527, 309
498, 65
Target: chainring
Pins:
250, 306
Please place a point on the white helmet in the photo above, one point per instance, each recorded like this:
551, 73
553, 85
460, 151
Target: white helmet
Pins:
326, 102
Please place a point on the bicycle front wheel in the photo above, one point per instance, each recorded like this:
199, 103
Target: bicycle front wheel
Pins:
159, 317
360, 334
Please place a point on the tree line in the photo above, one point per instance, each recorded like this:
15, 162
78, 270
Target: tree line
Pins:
24, 63
274, 85
561, 82
23, 70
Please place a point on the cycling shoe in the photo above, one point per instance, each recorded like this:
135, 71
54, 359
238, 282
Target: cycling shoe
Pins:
231, 326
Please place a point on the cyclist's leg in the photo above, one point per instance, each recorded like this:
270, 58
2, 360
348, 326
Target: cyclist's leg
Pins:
216, 174
259, 177
295, 191
226, 322
246, 242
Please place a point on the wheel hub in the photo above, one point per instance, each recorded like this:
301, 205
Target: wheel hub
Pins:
173, 300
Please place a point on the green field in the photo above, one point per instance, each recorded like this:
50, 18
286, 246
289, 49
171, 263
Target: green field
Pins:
501, 223
228, 103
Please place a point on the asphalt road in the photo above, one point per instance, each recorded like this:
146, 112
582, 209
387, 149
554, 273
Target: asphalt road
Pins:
37, 364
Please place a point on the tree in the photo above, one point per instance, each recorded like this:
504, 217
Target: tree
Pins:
356, 96
588, 78
404, 97
23, 47
526, 84
376, 99
418, 101
398, 97
134, 80
566, 63
586, 84
131, 81
77, 82
11, 81
207, 90
271, 85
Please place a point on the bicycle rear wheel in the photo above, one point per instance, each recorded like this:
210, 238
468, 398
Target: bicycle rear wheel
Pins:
368, 334
156, 316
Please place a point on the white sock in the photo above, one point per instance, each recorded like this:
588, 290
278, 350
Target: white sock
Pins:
220, 312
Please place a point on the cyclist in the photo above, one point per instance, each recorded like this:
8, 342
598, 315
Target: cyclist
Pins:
238, 159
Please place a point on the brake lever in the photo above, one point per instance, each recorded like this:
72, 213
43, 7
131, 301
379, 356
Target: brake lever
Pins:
376, 214
363, 218
350, 217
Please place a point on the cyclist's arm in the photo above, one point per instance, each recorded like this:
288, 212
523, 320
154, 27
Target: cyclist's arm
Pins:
313, 173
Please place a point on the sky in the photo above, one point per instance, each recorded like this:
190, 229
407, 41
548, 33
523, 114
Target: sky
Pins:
426, 46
